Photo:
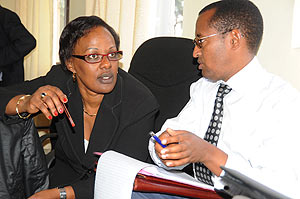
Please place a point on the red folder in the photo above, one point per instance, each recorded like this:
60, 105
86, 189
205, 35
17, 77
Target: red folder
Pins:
145, 183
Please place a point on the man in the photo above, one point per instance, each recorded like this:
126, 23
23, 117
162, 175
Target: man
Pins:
252, 125
15, 43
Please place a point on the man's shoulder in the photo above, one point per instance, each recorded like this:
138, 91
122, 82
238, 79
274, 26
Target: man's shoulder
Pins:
9, 13
278, 94
282, 87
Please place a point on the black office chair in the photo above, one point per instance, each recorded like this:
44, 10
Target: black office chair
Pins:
166, 66
48, 138
50, 157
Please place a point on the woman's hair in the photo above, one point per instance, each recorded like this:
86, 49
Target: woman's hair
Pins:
78, 28
238, 14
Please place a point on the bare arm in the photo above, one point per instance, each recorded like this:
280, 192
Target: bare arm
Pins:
53, 194
49, 105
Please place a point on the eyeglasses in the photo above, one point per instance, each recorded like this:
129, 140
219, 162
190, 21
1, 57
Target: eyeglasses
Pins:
96, 58
199, 41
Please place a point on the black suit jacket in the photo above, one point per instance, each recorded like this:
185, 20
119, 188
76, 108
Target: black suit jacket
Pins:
124, 119
15, 43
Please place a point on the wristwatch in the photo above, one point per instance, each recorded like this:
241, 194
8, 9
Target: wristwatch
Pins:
62, 193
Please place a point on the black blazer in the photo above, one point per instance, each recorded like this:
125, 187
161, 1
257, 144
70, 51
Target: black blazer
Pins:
15, 43
124, 119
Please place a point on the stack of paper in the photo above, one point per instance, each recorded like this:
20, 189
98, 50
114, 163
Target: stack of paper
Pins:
116, 173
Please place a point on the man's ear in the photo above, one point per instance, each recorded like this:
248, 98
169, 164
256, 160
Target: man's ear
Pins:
69, 65
235, 39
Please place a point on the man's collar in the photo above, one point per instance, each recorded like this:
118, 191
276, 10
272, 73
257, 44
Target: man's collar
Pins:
243, 80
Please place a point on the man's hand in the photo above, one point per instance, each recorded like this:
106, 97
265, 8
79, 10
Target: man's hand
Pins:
184, 147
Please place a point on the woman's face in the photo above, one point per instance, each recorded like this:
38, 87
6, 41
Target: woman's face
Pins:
97, 78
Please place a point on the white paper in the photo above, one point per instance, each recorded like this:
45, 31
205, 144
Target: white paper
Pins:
116, 173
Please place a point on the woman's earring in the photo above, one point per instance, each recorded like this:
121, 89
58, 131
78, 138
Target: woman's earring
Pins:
74, 77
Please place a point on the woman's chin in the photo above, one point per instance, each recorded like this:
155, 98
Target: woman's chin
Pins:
107, 87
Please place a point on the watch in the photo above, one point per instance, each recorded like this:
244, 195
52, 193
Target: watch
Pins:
62, 193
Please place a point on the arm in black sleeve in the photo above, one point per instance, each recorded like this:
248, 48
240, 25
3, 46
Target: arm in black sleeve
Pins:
29, 87
18, 40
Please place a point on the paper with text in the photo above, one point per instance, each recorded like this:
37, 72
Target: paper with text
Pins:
116, 173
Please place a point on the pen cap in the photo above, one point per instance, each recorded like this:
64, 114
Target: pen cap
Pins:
151, 133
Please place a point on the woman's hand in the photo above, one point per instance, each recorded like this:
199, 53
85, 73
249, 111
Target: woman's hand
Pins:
53, 194
47, 99
46, 194
184, 147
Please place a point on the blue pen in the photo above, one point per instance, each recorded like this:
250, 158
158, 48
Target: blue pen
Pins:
157, 139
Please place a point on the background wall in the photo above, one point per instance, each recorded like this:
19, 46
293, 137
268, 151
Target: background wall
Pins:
77, 8
10, 4
276, 53
36, 16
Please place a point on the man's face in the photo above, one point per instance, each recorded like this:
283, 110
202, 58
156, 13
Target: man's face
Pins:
212, 54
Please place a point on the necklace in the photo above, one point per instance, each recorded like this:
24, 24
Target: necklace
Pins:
91, 115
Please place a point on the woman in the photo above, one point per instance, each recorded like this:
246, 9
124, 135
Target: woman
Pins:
110, 109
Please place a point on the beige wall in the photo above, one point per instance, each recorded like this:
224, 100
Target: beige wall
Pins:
10, 4
77, 8
275, 53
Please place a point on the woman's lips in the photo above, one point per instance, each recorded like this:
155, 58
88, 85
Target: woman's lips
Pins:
106, 78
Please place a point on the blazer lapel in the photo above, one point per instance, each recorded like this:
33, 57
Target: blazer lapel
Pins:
106, 124
75, 134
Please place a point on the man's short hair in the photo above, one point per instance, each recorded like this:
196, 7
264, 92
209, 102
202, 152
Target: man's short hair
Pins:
238, 14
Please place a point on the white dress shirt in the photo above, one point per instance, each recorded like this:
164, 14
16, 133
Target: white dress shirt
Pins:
260, 130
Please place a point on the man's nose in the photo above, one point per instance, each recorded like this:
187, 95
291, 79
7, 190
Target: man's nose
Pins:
196, 51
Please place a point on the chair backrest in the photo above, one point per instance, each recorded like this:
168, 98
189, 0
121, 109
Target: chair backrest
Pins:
166, 66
